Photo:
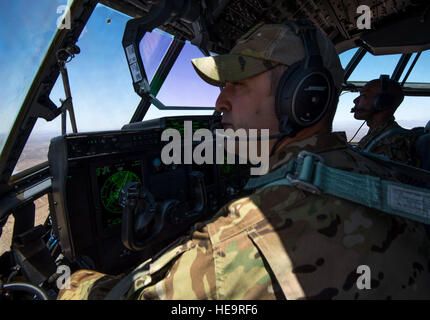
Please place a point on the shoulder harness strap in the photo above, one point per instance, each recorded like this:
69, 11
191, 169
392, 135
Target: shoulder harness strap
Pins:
308, 172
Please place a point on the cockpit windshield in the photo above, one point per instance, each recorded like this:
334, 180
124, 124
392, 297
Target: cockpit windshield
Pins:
26, 30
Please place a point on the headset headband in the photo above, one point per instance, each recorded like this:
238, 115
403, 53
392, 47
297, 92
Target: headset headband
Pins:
384, 81
307, 32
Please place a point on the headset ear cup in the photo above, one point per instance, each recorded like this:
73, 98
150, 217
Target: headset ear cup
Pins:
382, 102
306, 89
377, 103
303, 96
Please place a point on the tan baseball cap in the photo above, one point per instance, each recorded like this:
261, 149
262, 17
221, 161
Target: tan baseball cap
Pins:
261, 49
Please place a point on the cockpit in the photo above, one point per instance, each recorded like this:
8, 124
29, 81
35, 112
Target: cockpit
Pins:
81, 144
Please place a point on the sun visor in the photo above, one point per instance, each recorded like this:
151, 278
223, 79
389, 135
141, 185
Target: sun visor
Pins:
405, 36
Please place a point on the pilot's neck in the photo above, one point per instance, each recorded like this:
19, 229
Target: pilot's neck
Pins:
377, 120
318, 128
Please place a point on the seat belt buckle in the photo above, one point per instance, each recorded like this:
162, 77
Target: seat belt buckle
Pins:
303, 173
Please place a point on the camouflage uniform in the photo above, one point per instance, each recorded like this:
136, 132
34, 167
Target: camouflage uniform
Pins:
283, 242
397, 146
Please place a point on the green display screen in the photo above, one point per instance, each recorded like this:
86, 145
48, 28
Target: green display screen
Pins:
180, 125
111, 179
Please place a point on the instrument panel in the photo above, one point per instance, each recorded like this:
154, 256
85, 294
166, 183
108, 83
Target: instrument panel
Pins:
89, 171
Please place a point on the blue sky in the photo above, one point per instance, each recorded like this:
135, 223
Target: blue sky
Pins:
100, 81
26, 28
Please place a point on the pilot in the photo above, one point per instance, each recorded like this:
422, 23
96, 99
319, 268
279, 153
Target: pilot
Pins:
376, 104
282, 241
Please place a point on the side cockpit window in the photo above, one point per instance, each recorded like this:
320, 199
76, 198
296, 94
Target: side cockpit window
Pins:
412, 113
184, 88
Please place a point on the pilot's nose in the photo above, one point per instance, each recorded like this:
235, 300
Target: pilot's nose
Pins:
223, 103
356, 100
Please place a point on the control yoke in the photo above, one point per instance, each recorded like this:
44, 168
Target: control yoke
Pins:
144, 219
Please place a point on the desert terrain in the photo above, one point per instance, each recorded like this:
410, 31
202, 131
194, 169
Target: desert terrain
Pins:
35, 151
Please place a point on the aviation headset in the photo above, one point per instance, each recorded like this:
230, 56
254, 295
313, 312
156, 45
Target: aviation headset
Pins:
306, 89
